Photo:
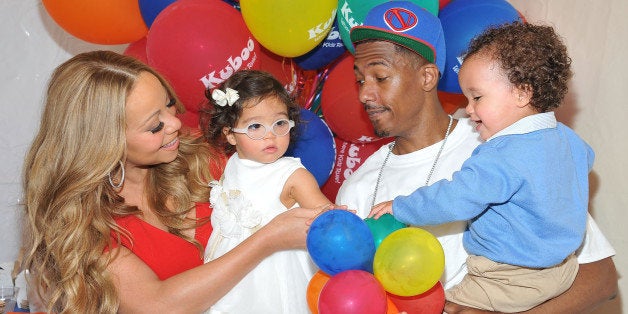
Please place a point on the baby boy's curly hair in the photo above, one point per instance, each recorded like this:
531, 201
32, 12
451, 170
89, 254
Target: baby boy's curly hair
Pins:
533, 57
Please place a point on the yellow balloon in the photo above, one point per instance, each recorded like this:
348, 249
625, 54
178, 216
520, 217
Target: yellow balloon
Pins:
289, 28
409, 261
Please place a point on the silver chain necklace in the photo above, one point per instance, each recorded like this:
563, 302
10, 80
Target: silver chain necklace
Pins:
429, 175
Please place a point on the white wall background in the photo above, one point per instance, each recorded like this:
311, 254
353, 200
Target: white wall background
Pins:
596, 33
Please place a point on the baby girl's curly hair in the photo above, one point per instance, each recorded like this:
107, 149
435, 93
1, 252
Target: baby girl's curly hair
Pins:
252, 86
533, 57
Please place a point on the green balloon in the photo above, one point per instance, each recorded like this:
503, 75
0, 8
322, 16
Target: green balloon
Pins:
352, 13
382, 227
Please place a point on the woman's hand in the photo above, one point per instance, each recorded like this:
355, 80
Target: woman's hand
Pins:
326, 207
288, 230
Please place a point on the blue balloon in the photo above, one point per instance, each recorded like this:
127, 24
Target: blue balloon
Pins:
234, 3
315, 146
339, 240
325, 53
151, 8
462, 20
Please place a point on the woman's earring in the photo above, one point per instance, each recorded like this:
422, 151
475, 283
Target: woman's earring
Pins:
119, 185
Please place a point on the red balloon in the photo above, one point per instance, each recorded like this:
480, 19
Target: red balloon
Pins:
137, 49
190, 119
352, 292
198, 44
217, 163
429, 302
309, 83
341, 107
284, 69
349, 157
443, 3
451, 101
522, 17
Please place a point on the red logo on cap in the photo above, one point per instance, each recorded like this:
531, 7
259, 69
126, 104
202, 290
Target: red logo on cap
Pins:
400, 19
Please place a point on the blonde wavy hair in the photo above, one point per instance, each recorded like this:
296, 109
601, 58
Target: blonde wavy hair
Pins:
70, 204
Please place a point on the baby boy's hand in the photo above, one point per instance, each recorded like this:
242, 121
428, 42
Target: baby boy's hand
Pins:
380, 209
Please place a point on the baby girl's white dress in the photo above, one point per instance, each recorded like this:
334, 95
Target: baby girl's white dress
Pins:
247, 198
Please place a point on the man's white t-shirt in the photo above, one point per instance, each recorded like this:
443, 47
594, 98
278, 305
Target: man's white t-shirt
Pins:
402, 174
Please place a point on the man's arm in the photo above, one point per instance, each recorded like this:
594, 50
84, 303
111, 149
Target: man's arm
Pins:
595, 283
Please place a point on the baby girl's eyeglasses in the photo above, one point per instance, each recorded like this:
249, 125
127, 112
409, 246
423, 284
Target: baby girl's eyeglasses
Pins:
257, 131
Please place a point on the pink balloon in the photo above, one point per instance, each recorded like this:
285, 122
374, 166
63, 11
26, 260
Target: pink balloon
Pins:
352, 292
197, 44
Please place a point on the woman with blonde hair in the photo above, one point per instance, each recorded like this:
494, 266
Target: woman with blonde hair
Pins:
116, 196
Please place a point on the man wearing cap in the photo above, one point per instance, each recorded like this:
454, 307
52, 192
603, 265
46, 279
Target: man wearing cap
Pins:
399, 55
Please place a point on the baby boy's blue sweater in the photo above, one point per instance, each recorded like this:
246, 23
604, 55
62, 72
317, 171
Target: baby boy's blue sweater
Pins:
525, 196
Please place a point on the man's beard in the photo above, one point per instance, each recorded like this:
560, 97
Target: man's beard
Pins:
380, 132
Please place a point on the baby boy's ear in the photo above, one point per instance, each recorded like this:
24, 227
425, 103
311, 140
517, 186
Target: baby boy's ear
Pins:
524, 95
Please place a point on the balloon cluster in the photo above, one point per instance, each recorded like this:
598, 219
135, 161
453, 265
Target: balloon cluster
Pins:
197, 44
373, 266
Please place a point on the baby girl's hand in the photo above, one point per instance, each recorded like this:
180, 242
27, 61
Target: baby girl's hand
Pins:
323, 208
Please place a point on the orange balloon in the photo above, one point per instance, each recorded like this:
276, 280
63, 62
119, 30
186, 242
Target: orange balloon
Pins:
109, 22
314, 288
391, 308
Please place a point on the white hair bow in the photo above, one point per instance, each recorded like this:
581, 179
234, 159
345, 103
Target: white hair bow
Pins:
228, 97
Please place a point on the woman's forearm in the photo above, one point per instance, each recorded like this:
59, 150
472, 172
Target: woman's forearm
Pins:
195, 290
